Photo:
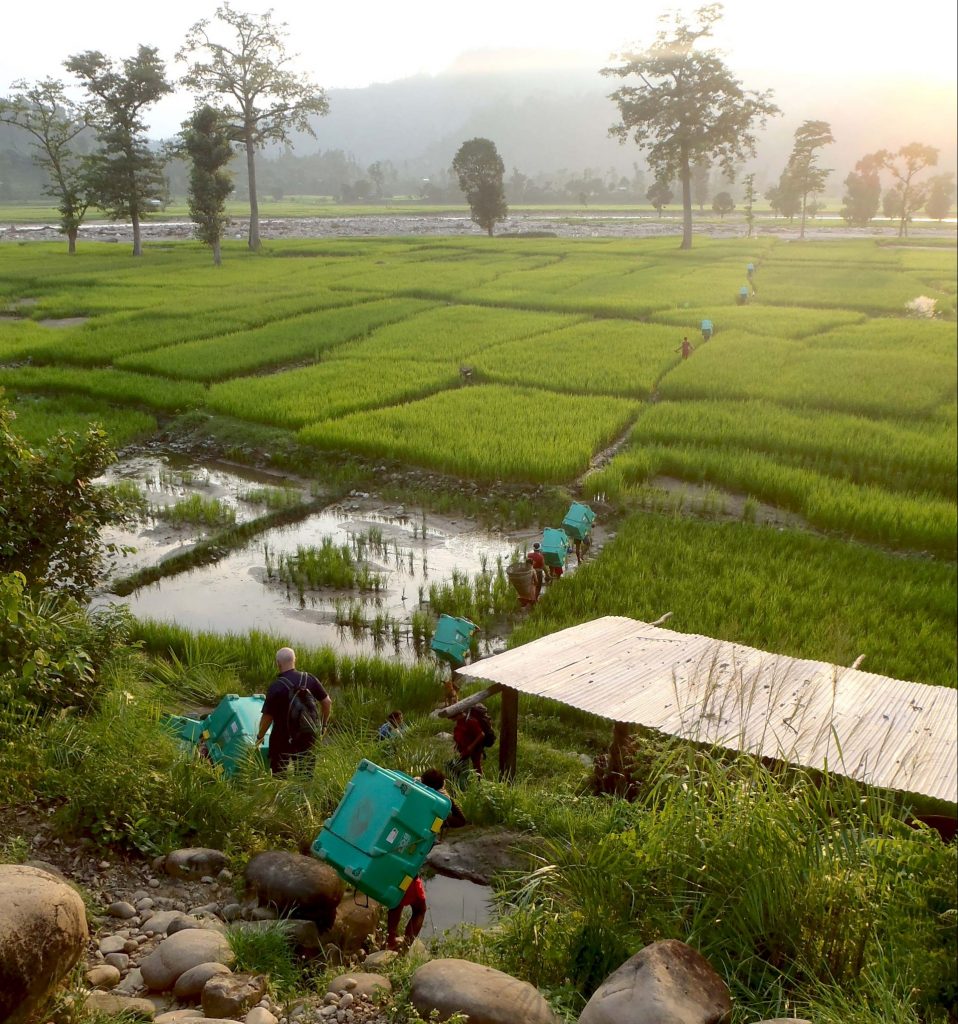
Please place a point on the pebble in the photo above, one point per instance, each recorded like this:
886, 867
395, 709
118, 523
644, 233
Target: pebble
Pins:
121, 909
208, 880
143, 903
112, 944
120, 961
103, 865
225, 875
154, 883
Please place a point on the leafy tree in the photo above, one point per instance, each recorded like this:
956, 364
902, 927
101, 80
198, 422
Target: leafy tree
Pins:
862, 192
126, 174
54, 120
479, 169
941, 194
686, 105
784, 198
52, 515
264, 101
723, 204
659, 195
804, 176
891, 204
750, 197
205, 139
700, 182
903, 166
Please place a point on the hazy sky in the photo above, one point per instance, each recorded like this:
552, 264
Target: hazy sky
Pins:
355, 44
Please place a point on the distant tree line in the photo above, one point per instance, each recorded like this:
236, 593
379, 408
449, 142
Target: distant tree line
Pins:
692, 119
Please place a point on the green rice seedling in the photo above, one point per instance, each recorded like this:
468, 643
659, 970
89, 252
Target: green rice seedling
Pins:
329, 565
771, 321
876, 383
282, 341
551, 436
267, 950
896, 455
451, 333
272, 497
38, 419
783, 591
115, 385
196, 509
299, 397
614, 357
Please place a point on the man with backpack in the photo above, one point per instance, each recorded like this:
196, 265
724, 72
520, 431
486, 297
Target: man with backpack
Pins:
297, 707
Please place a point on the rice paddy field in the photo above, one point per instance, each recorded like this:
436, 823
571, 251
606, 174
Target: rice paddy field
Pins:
524, 360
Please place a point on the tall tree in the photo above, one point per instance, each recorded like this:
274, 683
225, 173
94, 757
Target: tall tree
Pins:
264, 100
804, 175
723, 203
479, 168
903, 166
862, 192
941, 194
659, 195
206, 140
784, 197
749, 183
686, 105
54, 120
127, 173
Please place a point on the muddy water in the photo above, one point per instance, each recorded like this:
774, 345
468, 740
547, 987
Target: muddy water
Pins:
451, 902
241, 592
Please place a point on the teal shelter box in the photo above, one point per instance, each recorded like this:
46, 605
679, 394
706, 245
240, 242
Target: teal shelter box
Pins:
231, 729
451, 639
188, 731
380, 834
578, 521
555, 547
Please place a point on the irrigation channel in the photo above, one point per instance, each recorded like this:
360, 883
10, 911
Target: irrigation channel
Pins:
396, 555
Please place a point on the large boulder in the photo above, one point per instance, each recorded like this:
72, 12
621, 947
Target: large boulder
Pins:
180, 952
354, 924
479, 855
109, 1004
294, 884
666, 983
194, 862
43, 932
190, 984
231, 995
485, 995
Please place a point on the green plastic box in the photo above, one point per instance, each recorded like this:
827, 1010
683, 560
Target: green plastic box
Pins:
555, 547
578, 521
188, 731
379, 836
451, 639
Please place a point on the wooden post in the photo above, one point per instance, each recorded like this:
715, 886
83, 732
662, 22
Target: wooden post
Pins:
508, 732
467, 702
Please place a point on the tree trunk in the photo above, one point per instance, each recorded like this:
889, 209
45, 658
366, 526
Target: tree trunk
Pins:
217, 257
489, 229
254, 242
685, 176
135, 217
72, 241
801, 233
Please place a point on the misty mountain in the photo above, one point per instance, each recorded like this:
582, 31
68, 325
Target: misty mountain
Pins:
544, 121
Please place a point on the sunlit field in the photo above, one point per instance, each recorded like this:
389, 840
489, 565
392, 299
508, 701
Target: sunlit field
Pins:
522, 360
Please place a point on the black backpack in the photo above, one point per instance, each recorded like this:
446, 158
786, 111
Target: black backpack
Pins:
302, 716
485, 720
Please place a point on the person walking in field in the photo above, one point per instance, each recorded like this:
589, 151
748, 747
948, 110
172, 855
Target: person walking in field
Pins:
297, 707
686, 348
538, 562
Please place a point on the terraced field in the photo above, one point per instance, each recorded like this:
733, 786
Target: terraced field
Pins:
522, 359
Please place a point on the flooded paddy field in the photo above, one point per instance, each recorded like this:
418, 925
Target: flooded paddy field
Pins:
398, 555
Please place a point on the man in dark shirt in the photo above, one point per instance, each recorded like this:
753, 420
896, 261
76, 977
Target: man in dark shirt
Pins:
282, 749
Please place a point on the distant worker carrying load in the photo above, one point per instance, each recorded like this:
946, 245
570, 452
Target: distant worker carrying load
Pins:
578, 525
686, 348
707, 330
742, 298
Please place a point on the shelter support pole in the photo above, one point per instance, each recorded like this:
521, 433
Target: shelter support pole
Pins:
858, 661
508, 732
621, 737
467, 702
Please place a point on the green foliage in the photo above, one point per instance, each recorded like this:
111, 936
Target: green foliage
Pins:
52, 517
206, 140
266, 950
479, 170
196, 509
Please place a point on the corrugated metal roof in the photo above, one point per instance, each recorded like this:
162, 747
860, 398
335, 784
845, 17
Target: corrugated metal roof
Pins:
882, 731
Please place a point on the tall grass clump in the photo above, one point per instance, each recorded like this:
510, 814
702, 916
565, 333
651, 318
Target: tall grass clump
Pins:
196, 509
